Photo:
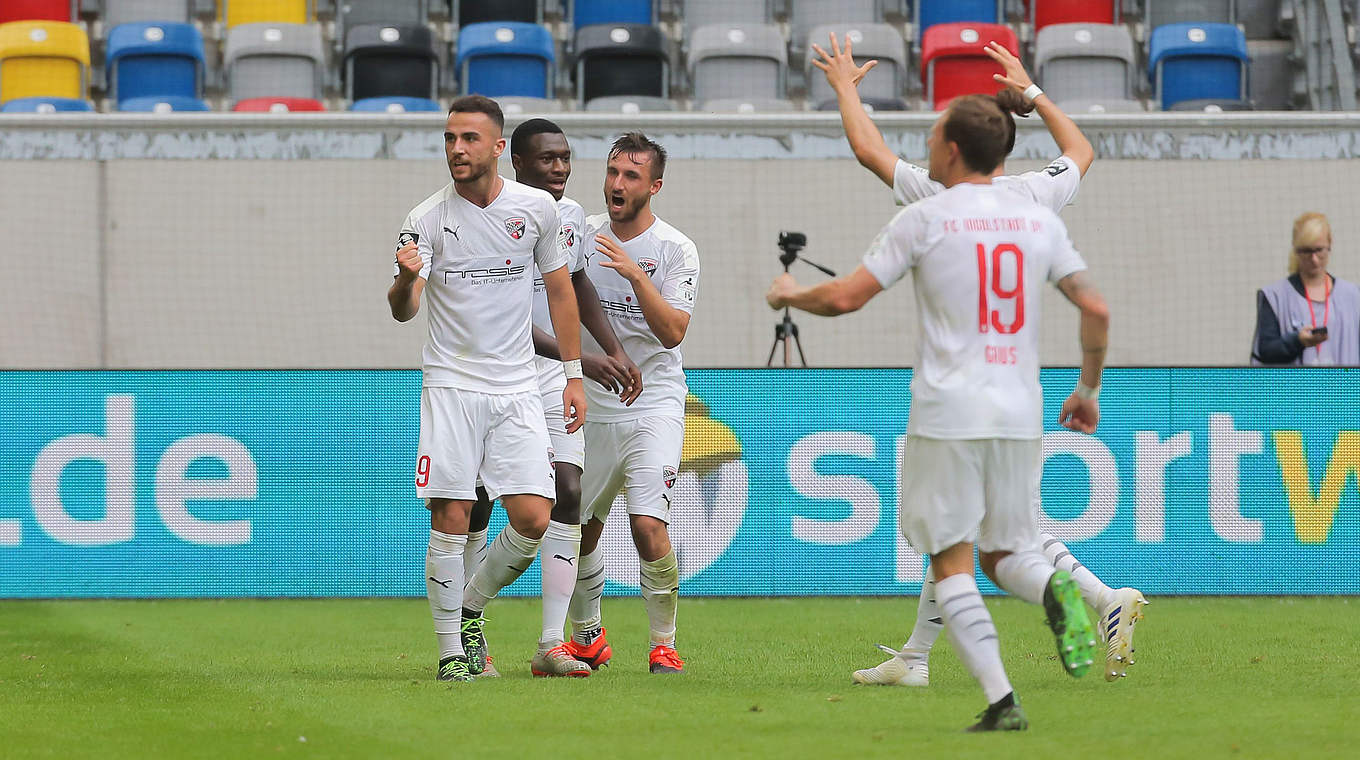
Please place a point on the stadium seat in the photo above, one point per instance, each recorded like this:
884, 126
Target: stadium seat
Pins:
1085, 61
1197, 61
165, 104
467, 12
738, 61
397, 13
590, 12
628, 104
1045, 13
395, 105
627, 59
747, 105
273, 61
46, 105
1213, 105
934, 12
701, 13
870, 104
953, 62
886, 81
516, 105
236, 12
154, 60
390, 61
278, 105
1158, 13
43, 59
38, 10
806, 15
1260, 19
1274, 75
506, 59
1102, 106
119, 12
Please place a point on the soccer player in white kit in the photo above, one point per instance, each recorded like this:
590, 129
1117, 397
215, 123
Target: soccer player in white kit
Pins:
470, 248
647, 274
1053, 187
541, 157
977, 253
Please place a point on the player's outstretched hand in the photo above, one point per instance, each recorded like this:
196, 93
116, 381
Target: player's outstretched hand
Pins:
839, 66
574, 404
634, 389
778, 295
1080, 414
619, 260
409, 262
611, 375
1015, 75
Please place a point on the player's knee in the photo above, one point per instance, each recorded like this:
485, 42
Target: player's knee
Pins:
651, 537
987, 561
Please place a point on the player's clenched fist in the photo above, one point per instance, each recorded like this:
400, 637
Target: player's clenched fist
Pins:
409, 262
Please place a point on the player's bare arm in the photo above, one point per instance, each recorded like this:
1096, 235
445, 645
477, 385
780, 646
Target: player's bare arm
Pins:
1081, 410
666, 322
1066, 133
566, 323
404, 295
865, 139
611, 375
615, 360
828, 299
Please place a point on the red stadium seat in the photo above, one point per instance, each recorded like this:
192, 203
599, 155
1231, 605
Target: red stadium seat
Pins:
278, 105
953, 62
36, 10
1044, 13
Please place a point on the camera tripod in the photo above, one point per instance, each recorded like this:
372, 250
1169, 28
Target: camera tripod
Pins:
791, 243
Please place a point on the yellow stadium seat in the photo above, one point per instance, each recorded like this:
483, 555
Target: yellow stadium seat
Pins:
234, 12
43, 59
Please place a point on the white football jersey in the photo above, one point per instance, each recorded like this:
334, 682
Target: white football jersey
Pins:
978, 254
672, 261
479, 284
573, 243
1052, 187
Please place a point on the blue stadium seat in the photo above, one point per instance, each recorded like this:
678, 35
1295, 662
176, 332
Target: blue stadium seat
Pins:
154, 60
46, 105
588, 12
506, 60
165, 104
1198, 61
395, 105
932, 12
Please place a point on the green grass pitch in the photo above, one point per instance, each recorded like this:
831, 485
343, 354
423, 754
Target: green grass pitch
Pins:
1222, 677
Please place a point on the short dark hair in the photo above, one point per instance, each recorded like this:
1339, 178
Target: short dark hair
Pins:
983, 127
636, 142
519, 140
479, 104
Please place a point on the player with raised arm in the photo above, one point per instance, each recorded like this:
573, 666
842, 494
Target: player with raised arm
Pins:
541, 158
647, 274
470, 249
978, 253
1053, 187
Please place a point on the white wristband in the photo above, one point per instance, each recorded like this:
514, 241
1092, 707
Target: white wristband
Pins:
1090, 394
1032, 92
573, 369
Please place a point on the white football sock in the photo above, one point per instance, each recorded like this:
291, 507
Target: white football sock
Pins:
559, 550
444, 587
507, 559
584, 609
972, 633
1024, 574
928, 621
660, 586
1096, 593
475, 552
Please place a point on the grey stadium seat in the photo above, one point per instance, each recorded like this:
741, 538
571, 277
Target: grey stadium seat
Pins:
880, 41
747, 105
130, 11
700, 13
273, 60
520, 105
805, 15
1085, 61
1102, 106
1273, 76
352, 13
1160, 12
737, 61
1212, 105
1260, 18
628, 104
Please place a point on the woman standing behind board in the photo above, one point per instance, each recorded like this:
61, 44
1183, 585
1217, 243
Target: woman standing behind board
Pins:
1310, 317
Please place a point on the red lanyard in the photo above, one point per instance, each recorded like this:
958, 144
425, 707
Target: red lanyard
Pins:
1326, 304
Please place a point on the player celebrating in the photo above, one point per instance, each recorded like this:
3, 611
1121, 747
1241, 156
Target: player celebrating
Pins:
542, 158
1053, 188
977, 253
473, 244
647, 274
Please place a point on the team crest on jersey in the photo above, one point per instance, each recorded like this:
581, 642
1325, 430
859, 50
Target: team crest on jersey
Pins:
568, 236
407, 238
668, 476
648, 266
515, 226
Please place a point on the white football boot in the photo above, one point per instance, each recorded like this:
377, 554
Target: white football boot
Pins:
909, 667
1116, 624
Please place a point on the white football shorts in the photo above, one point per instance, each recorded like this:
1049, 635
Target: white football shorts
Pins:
642, 456
499, 438
976, 491
566, 447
